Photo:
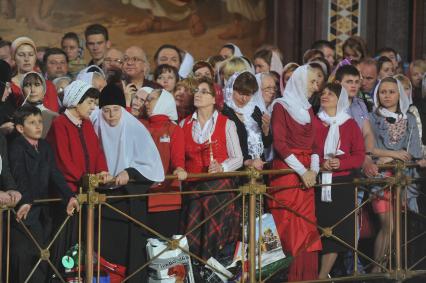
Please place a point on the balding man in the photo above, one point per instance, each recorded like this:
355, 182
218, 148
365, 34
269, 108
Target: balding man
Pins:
135, 64
113, 59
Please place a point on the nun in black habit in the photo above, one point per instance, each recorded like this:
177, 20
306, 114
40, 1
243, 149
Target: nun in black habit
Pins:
131, 154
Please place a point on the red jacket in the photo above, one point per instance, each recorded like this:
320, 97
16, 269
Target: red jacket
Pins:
65, 140
170, 143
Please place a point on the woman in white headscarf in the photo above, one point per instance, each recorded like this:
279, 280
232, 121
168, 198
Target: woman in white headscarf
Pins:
230, 50
137, 106
164, 210
340, 146
130, 154
245, 106
266, 60
293, 130
94, 76
397, 138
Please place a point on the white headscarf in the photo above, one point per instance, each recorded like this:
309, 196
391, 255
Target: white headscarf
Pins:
332, 142
404, 103
294, 98
166, 105
186, 66
74, 92
254, 133
86, 76
258, 97
276, 64
237, 50
129, 145
43, 82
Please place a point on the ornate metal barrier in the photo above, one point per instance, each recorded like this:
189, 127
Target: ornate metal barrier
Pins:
253, 192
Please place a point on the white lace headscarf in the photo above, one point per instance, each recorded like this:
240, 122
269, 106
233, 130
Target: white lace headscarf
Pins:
254, 133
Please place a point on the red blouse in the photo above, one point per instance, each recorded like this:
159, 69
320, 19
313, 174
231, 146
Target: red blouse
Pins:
351, 143
288, 134
64, 137
169, 139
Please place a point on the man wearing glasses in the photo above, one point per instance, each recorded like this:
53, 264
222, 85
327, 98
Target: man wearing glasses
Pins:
135, 68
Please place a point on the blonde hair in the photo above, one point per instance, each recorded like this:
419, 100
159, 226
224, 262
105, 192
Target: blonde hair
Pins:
233, 65
419, 63
188, 83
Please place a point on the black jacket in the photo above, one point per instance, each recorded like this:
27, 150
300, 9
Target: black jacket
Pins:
34, 170
241, 129
6, 180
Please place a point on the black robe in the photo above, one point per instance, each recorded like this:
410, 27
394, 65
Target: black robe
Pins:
122, 241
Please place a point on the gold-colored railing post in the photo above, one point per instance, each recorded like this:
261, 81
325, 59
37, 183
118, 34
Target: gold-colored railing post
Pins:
90, 182
252, 229
401, 181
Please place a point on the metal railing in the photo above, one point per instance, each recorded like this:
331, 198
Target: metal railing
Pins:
253, 192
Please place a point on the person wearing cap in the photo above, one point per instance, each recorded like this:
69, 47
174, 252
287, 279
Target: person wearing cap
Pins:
131, 154
94, 76
77, 150
24, 52
33, 88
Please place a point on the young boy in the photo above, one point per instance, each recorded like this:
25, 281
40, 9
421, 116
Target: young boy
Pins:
33, 166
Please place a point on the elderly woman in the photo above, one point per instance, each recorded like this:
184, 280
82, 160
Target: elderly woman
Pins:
24, 53
164, 210
77, 151
294, 134
184, 97
211, 145
340, 146
130, 154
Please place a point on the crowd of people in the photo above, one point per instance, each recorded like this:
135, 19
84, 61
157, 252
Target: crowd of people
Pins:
120, 118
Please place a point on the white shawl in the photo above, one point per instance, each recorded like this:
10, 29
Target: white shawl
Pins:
294, 98
166, 105
129, 144
332, 142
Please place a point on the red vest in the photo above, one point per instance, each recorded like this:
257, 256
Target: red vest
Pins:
198, 156
161, 137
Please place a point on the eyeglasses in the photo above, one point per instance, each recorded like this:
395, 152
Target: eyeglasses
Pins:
133, 59
201, 91
115, 61
270, 89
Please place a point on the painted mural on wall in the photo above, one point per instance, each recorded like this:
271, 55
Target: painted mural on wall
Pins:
199, 26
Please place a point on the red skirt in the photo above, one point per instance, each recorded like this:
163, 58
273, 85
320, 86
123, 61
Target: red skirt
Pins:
296, 234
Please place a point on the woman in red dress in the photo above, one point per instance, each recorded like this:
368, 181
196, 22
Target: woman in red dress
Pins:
294, 133
164, 210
